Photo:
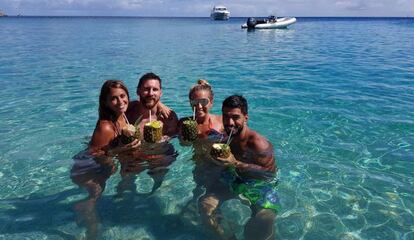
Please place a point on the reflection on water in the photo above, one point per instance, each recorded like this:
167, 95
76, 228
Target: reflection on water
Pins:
338, 108
133, 195
155, 158
253, 197
91, 173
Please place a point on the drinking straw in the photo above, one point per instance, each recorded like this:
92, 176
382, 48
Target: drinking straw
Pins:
150, 115
126, 119
194, 113
229, 139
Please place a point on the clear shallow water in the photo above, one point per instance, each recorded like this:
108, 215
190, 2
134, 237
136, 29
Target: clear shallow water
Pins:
335, 97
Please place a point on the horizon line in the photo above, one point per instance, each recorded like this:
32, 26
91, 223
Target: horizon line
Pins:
129, 16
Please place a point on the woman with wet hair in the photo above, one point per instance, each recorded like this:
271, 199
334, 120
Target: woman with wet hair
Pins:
201, 98
210, 129
93, 167
113, 103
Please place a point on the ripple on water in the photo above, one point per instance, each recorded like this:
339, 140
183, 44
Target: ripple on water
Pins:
354, 222
380, 232
409, 236
339, 113
324, 226
343, 202
30, 235
290, 225
402, 221
350, 236
379, 213
235, 216
174, 200
372, 164
321, 195
287, 193
127, 232
354, 178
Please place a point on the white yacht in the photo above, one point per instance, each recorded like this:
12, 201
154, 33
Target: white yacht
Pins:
220, 12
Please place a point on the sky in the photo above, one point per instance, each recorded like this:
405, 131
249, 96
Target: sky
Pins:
202, 8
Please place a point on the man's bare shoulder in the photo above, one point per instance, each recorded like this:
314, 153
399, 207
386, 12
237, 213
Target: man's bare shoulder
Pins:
263, 151
258, 143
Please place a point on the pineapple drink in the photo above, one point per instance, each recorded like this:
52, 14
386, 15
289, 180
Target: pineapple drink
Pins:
189, 130
129, 134
221, 150
153, 131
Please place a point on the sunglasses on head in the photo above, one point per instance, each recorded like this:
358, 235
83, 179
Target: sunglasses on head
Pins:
202, 101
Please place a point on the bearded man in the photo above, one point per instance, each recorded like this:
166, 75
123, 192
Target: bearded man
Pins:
250, 173
156, 158
149, 91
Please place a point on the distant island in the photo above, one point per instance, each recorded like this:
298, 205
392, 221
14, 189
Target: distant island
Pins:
2, 14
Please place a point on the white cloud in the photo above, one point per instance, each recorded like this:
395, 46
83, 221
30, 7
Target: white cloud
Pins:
352, 5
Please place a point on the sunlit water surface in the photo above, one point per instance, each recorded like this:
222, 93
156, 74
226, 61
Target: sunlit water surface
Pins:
334, 96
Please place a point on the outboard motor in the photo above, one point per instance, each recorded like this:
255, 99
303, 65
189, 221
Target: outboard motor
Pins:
251, 22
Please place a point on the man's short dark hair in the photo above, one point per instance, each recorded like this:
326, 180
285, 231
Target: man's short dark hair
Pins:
236, 101
148, 76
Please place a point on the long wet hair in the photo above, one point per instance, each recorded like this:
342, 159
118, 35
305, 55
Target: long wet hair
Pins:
202, 84
105, 113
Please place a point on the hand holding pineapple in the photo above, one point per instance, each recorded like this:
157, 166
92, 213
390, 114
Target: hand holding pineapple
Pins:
230, 161
129, 134
221, 154
130, 139
189, 130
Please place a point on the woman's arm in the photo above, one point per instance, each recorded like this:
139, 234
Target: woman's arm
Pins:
103, 135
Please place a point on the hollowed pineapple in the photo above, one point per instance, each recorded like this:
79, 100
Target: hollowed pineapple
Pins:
153, 131
189, 130
129, 134
221, 150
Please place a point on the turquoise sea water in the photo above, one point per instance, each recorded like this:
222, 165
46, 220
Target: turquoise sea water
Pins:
334, 95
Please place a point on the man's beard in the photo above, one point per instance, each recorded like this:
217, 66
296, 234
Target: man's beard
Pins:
149, 102
234, 131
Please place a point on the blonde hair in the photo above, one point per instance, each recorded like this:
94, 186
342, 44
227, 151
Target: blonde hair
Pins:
202, 84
